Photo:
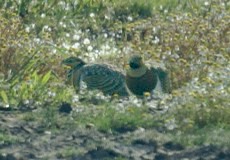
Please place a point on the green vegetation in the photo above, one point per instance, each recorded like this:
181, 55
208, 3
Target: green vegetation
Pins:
7, 139
192, 38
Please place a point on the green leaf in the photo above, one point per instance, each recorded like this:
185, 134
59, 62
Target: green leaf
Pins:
46, 77
4, 96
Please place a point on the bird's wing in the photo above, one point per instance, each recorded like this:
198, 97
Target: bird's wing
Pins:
74, 76
104, 78
164, 79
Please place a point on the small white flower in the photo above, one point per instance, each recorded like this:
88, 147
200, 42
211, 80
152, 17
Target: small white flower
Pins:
76, 37
206, 3
54, 51
67, 35
169, 52
43, 15
96, 51
48, 132
46, 27
89, 48
33, 25
105, 35
92, 15
27, 29
156, 40
130, 18
105, 47
107, 17
222, 4
37, 40
50, 93
177, 48
67, 8
67, 46
165, 11
75, 98
61, 3
26, 101
76, 45
86, 41
171, 124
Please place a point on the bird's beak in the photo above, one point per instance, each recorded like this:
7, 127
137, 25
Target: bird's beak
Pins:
126, 66
63, 64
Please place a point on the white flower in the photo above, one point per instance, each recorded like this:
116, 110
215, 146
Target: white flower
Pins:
76, 45
43, 15
33, 25
61, 3
26, 101
177, 48
92, 15
27, 29
67, 46
86, 41
75, 98
54, 51
130, 18
206, 3
165, 11
105, 35
76, 37
37, 40
67, 35
156, 40
51, 94
46, 27
105, 47
89, 48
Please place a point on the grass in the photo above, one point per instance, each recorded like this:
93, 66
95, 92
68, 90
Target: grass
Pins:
70, 152
191, 38
205, 136
7, 139
108, 119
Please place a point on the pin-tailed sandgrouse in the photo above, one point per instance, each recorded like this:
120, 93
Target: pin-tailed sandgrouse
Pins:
96, 76
141, 79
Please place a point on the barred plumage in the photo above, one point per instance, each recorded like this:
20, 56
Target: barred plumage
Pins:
96, 76
141, 79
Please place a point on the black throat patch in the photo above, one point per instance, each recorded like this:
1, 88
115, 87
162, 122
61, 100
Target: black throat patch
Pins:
134, 65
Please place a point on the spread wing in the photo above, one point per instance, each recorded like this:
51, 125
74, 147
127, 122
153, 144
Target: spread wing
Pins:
164, 80
104, 78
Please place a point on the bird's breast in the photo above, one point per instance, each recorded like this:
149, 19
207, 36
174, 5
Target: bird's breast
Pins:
144, 83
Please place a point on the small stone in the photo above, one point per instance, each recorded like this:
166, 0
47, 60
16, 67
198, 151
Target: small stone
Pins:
173, 146
65, 108
89, 125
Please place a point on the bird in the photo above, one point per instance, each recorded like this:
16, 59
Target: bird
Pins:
141, 79
101, 77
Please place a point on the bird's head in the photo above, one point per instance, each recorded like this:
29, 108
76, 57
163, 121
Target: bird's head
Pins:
136, 62
136, 66
73, 62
